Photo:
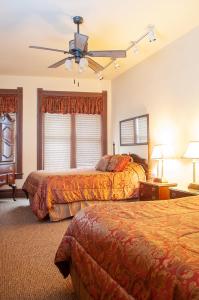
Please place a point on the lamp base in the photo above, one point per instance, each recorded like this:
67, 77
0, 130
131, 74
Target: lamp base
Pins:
160, 180
194, 186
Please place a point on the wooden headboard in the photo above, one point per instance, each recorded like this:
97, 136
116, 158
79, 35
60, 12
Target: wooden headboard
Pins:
142, 161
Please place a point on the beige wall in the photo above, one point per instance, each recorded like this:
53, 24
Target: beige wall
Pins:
30, 85
167, 87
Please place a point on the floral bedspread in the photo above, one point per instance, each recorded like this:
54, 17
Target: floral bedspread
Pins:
47, 188
141, 250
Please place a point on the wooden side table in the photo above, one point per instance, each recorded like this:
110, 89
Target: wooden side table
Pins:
150, 190
180, 192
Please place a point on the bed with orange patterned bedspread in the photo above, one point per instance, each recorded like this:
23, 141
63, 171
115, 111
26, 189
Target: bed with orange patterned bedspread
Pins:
49, 191
140, 250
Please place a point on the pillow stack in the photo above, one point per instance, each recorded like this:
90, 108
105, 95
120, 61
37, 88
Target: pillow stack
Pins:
113, 163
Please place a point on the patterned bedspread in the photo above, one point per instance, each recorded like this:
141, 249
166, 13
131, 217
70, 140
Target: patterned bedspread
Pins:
140, 250
47, 188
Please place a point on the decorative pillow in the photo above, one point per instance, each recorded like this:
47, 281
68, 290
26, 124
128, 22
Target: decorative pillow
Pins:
118, 163
103, 163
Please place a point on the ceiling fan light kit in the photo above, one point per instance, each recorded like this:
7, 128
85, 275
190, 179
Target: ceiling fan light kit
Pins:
78, 51
68, 65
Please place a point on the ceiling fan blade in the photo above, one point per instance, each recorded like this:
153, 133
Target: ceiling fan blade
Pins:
108, 53
94, 65
60, 62
50, 49
81, 41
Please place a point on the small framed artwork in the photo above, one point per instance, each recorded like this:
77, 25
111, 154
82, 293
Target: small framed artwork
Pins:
134, 131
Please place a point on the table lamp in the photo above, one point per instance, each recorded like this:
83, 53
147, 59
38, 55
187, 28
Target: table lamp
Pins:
159, 153
193, 153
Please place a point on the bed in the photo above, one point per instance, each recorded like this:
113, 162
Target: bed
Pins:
139, 250
60, 195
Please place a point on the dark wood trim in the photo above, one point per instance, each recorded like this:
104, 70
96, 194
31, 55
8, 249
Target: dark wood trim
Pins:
8, 193
104, 124
40, 150
40, 155
9, 91
19, 127
68, 93
73, 142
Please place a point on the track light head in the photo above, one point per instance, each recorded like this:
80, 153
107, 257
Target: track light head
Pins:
151, 33
100, 75
116, 65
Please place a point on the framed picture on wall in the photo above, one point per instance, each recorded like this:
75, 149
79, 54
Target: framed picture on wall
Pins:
134, 131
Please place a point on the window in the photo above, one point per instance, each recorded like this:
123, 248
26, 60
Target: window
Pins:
134, 131
67, 136
69, 140
57, 136
18, 117
88, 139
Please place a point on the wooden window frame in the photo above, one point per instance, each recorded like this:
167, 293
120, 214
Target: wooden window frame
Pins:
134, 121
19, 128
40, 129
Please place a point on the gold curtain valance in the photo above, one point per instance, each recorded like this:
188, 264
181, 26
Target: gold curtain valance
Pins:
8, 103
72, 104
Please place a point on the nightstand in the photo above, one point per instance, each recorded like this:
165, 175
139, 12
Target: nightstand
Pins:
150, 190
179, 192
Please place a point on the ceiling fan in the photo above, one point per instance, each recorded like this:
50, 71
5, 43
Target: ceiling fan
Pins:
78, 51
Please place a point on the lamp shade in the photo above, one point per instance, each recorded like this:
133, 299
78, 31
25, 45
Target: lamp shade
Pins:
192, 150
161, 151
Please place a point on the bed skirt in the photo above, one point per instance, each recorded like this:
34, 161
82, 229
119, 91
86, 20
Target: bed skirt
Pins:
64, 211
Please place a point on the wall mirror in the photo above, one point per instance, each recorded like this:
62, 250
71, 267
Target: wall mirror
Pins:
134, 131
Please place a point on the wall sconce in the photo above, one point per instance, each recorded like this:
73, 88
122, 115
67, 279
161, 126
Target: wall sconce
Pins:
160, 153
192, 152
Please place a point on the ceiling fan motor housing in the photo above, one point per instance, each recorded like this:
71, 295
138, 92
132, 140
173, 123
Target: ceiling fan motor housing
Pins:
78, 20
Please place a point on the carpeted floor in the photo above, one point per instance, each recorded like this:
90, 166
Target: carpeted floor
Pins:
27, 250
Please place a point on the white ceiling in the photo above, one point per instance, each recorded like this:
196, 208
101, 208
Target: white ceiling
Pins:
110, 24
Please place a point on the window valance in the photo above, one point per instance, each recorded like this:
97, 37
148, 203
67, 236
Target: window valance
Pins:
8, 103
11, 100
72, 104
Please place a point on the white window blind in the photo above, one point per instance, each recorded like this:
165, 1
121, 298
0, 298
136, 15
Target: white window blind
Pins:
57, 136
141, 130
127, 132
88, 139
